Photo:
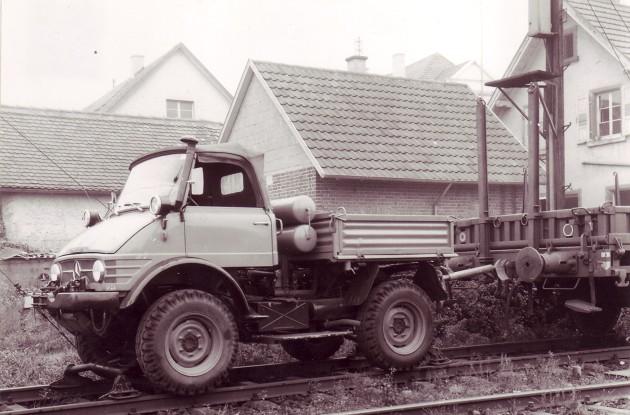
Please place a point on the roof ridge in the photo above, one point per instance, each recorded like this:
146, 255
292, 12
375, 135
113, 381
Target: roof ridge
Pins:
92, 114
346, 72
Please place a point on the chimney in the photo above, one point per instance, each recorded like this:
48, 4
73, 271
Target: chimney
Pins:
137, 63
356, 63
398, 65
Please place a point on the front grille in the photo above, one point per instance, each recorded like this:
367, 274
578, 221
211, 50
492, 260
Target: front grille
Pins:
69, 267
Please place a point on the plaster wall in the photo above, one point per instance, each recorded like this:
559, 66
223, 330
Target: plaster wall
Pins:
589, 166
177, 79
45, 221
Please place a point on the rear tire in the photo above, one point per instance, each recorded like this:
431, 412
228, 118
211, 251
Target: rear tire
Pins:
596, 324
312, 349
186, 342
396, 325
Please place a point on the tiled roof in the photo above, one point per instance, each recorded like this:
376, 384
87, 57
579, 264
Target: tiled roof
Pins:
93, 149
608, 18
113, 97
428, 68
361, 125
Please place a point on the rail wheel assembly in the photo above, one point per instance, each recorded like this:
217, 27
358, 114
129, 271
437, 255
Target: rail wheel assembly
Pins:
396, 328
115, 346
596, 324
312, 349
186, 342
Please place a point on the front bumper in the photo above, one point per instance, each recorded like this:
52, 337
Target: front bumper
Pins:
77, 301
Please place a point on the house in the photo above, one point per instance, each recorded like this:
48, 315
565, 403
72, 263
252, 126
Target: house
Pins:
177, 85
436, 67
596, 99
372, 143
56, 164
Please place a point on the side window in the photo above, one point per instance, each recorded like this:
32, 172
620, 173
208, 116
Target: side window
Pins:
226, 185
232, 184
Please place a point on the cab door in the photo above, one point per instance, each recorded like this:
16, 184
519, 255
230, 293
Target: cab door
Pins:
225, 223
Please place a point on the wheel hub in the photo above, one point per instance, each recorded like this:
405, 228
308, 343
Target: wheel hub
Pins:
190, 345
404, 327
399, 325
190, 341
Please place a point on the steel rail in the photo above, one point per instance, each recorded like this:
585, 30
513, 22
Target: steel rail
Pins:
531, 400
243, 392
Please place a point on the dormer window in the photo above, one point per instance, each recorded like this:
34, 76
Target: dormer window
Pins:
179, 109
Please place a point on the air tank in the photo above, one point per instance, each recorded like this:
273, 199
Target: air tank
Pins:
299, 239
294, 210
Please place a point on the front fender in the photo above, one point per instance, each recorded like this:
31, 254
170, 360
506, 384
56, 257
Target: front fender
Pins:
239, 296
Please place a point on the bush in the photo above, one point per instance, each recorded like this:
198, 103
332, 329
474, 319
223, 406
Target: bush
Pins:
479, 315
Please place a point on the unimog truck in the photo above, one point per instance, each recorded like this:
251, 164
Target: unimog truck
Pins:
193, 258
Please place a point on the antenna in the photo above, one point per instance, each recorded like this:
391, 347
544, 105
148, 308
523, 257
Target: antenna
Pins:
358, 47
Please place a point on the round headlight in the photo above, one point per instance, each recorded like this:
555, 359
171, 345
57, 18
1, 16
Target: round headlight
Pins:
55, 272
91, 218
98, 270
155, 206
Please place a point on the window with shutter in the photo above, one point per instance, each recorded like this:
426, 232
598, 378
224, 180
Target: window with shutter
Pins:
583, 128
603, 116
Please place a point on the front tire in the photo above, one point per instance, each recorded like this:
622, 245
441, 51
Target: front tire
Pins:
186, 342
396, 325
310, 350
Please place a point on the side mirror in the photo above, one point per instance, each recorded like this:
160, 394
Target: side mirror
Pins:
196, 181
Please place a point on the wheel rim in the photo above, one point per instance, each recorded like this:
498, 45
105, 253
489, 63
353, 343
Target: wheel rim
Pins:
404, 327
194, 344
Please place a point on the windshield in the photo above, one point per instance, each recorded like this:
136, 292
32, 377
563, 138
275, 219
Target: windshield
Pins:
156, 176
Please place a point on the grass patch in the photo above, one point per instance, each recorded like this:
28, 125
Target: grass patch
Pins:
32, 352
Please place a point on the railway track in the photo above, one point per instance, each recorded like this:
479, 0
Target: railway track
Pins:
81, 396
533, 401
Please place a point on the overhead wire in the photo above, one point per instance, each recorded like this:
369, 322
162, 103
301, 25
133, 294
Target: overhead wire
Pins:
608, 38
52, 161
620, 18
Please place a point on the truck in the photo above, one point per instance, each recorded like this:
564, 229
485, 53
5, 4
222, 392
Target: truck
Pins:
193, 258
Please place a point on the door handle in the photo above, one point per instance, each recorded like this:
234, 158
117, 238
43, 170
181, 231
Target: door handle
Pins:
261, 223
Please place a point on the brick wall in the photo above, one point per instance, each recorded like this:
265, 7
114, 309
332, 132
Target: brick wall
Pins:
391, 197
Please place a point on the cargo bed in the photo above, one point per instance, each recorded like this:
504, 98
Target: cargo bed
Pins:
360, 237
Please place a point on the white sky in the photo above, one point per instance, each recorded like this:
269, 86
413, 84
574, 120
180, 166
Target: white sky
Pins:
65, 54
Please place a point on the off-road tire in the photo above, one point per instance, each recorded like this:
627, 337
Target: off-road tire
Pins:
396, 328
186, 342
310, 350
596, 324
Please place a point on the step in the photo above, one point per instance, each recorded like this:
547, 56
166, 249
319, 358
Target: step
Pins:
580, 306
277, 338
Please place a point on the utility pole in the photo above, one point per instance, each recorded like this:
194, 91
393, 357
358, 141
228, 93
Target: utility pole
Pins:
554, 100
